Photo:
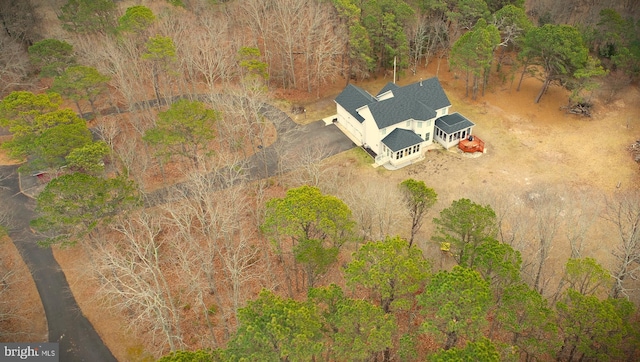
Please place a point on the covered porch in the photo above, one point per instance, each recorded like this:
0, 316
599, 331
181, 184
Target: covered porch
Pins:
400, 147
452, 128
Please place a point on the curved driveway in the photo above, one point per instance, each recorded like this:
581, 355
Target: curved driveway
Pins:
67, 325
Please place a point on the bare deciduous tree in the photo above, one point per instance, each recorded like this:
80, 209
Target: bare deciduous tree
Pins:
623, 211
546, 215
295, 34
132, 268
14, 64
211, 50
306, 164
420, 41
579, 214
376, 207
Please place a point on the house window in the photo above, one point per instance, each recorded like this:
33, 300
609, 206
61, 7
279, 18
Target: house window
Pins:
426, 136
398, 155
383, 131
408, 123
419, 124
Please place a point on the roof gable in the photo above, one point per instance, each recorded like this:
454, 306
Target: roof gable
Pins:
352, 98
388, 87
399, 109
418, 101
454, 122
400, 139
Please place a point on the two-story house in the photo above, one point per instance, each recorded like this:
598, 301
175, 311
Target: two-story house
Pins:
400, 122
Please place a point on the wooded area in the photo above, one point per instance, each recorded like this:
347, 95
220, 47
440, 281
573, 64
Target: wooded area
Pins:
310, 264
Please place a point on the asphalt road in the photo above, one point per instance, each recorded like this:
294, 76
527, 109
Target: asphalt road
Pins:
66, 323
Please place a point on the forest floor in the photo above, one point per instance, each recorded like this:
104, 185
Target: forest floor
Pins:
21, 298
528, 146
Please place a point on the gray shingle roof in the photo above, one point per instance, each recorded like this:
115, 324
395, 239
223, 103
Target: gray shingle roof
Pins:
398, 109
417, 101
427, 91
352, 98
452, 123
389, 86
400, 139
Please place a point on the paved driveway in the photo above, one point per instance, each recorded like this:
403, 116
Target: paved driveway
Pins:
67, 325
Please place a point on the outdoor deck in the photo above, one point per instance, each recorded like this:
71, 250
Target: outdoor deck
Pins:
471, 144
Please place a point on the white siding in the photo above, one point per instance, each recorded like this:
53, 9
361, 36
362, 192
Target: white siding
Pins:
351, 124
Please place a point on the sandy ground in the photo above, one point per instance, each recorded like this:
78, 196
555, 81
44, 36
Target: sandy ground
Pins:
29, 323
110, 324
530, 147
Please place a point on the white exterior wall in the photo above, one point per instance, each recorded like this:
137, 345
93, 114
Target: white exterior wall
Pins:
350, 124
371, 131
451, 141
427, 127
442, 112
372, 136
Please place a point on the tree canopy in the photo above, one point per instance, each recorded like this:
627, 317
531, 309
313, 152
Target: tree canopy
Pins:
418, 199
391, 270
183, 130
463, 226
52, 56
355, 329
481, 350
527, 316
593, 328
456, 304
558, 49
81, 83
73, 205
316, 226
88, 16
306, 214
271, 328
48, 140
19, 108
136, 19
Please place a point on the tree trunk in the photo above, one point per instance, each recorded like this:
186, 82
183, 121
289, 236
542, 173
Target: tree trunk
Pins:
79, 109
93, 107
545, 85
475, 87
524, 70
466, 85
156, 84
